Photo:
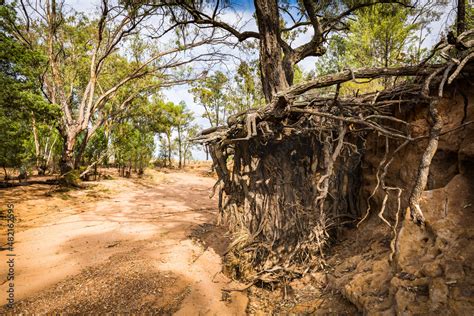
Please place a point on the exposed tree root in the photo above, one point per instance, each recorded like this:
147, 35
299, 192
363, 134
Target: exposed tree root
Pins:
424, 167
295, 176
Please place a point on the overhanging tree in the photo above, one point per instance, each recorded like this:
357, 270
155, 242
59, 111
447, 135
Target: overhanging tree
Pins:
296, 164
278, 56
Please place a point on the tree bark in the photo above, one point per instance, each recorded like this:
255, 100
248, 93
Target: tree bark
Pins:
38, 159
47, 152
82, 148
129, 171
168, 137
66, 163
425, 163
271, 62
6, 178
180, 151
461, 17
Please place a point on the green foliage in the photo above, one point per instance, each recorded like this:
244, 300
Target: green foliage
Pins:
222, 95
176, 119
97, 147
335, 58
21, 100
211, 94
13, 133
132, 138
469, 16
133, 145
298, 75
379, 37
247, 93
382, 35
183, 119
244, 91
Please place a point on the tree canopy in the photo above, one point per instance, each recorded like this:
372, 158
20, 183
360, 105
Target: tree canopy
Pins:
78, 82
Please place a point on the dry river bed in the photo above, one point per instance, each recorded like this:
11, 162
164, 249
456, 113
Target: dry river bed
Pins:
119, 246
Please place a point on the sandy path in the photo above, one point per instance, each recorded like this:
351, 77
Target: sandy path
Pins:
128, 253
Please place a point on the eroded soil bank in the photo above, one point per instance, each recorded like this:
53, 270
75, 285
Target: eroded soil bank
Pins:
151, 246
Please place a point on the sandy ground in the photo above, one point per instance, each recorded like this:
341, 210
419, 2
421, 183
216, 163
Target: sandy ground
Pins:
122, 246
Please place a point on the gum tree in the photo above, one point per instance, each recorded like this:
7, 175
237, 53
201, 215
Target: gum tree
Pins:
90, 61
278, 23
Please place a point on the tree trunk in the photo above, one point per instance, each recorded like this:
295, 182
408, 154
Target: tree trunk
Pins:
6, 178
67, 157
37, 146
78, 159
185, 153
271, 62
461, 17
168, 136
217, 107
140, 168
180, 150
49, 153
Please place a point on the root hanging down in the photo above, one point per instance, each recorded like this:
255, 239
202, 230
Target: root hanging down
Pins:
424, 167
290, 172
